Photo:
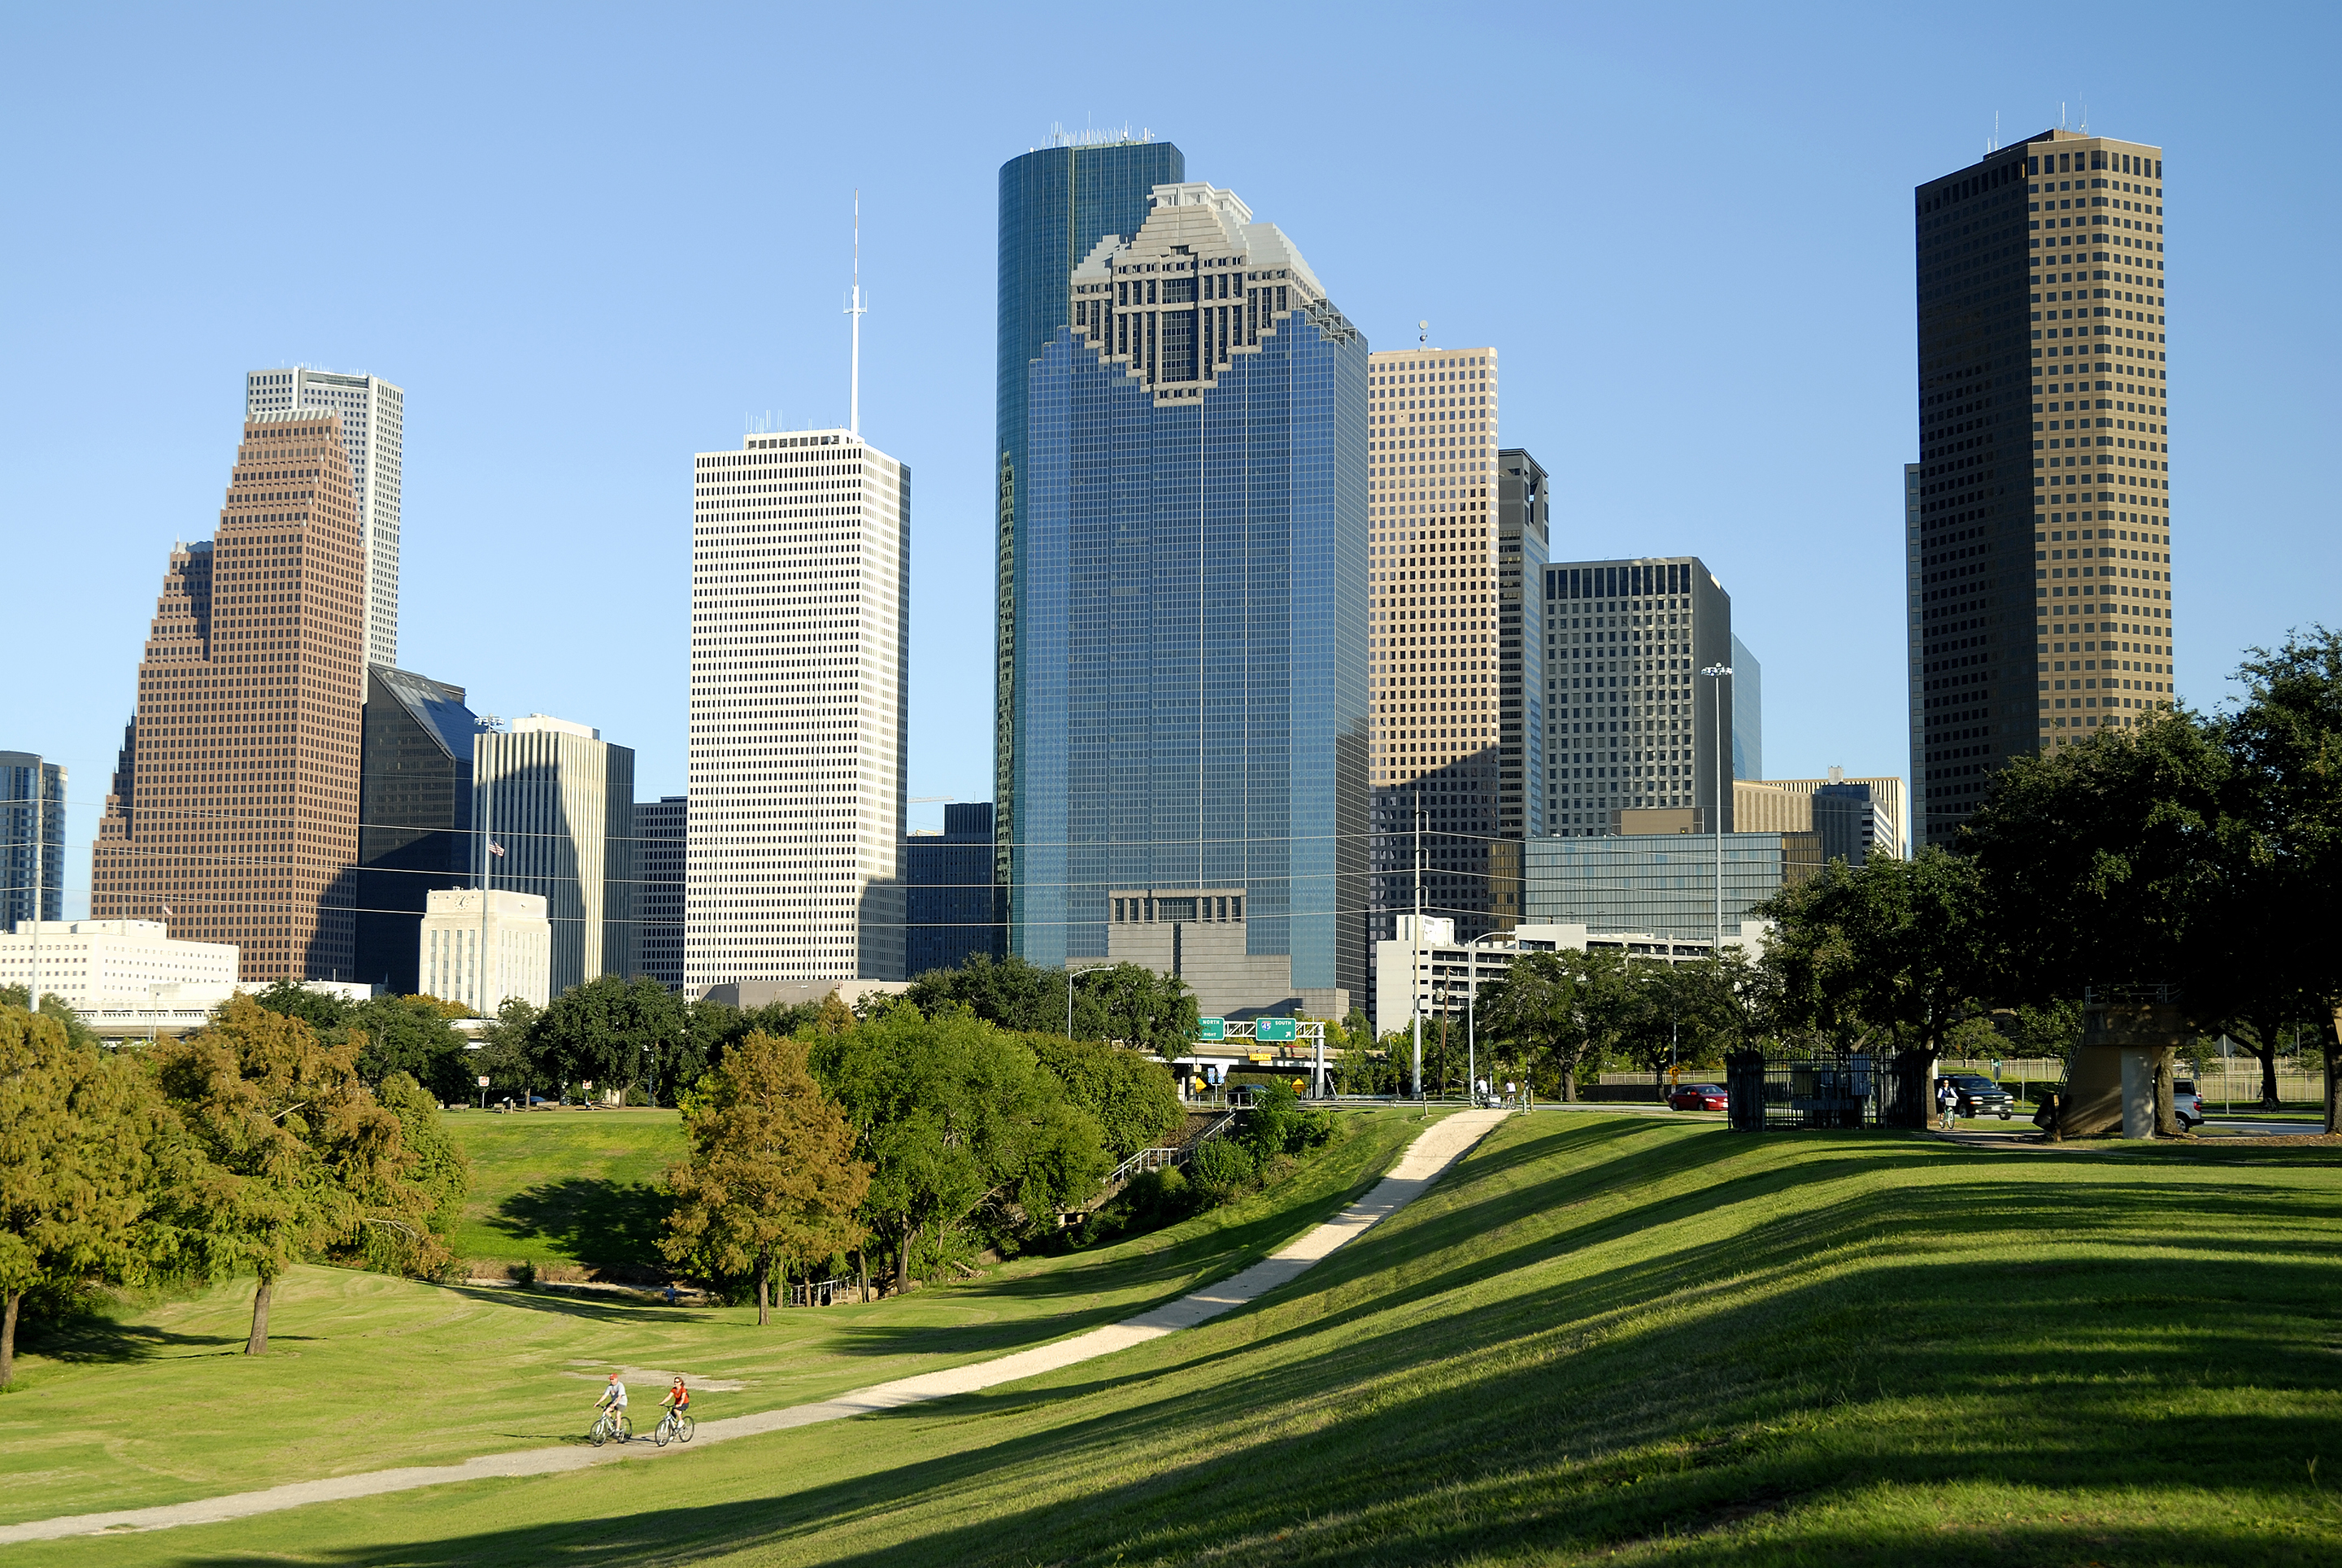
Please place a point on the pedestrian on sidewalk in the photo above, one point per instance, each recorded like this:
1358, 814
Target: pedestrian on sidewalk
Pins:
1948, 1100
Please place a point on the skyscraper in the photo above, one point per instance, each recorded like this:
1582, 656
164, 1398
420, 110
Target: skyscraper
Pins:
800, 617
32, 839
1634, 723
1056, 204
1438, 570
952, 905
234, 813
553, 814
374, 429
1747, 712
2043, 444
1189, 709
1524, 544
414, 815
662, 826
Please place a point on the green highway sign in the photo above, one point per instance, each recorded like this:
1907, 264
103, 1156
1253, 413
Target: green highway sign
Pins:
1273, 1029
1211, 1028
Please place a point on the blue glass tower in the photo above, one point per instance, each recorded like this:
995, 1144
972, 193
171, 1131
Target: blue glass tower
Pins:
1189, 605
1056, 204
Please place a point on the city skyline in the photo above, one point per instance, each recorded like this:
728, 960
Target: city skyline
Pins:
497, 553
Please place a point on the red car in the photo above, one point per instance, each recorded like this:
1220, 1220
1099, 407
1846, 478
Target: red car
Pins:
1699, 1097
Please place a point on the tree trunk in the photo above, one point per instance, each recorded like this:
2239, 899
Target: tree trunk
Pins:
2266, 1053
2331, 1038
8, 1337
903, 1259
862, 1270
1569, 1083
764, 1289
258, 1344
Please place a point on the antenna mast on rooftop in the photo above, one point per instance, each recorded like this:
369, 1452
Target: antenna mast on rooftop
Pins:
854, 308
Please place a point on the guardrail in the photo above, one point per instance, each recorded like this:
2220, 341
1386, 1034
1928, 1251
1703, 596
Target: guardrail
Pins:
1167, 1157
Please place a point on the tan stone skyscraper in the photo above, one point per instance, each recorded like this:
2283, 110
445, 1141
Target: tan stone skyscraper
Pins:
2037, 521
1439, 570
234, 806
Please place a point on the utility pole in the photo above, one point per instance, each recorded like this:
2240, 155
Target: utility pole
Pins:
1718, 672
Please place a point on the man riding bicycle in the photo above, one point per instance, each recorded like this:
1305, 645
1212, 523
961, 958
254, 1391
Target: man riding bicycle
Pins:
614, 1398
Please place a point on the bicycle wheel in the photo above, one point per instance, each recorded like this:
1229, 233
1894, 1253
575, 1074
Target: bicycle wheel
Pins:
625, 1429
659, 1433
686, 1427
600, 1434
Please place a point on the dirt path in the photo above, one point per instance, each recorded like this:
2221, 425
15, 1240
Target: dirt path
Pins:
1436, 1148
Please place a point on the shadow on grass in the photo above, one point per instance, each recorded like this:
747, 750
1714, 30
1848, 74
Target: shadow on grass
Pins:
601, 1223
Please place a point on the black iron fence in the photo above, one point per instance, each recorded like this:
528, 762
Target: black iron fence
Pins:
1777, 1094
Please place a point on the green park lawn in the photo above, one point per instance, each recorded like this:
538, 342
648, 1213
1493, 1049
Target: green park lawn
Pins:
1602, 1337
156, 1403
565, 1186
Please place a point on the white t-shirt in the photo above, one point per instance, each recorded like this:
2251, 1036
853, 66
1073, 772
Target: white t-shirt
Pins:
617, 1396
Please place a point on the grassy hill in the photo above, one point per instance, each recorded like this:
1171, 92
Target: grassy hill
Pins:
572, 1187
155, 1404
1601, 1338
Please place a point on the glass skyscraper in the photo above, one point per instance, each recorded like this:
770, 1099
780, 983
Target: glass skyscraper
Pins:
1188, 606
1056, 204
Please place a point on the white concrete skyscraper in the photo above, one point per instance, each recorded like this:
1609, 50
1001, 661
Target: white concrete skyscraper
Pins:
373, 422
800, 601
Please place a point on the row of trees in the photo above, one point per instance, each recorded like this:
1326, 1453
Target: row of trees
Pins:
2198, 854
894, 1129
1125, 1003
243, 1147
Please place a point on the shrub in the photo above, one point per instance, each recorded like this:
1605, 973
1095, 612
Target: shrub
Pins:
1221, 1168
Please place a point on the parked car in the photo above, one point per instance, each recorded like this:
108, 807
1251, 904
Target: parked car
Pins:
2187, 1104
1977, 1095
1698, 1097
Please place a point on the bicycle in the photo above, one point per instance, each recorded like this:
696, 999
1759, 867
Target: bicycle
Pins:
609, 1424
679, 1427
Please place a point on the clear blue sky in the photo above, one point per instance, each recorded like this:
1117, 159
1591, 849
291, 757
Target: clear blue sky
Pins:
589, 242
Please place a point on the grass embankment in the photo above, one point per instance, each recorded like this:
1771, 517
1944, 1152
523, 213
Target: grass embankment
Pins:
566, 1186
364, 1372
1600, 1337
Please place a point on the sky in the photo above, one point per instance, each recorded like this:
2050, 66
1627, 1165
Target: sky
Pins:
591, 241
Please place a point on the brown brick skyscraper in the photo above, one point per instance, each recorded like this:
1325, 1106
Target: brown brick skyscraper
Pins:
235, 804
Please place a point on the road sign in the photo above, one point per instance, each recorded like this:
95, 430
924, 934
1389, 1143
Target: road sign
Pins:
1211, 1028
484, 1080
1273, 1029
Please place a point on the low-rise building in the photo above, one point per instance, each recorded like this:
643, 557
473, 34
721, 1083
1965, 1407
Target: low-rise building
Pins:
480, 957
1664, 883
1448, 974
1202, 936
97, 963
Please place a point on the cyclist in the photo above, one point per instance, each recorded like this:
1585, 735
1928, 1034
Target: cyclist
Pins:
677, 1401
614, 1398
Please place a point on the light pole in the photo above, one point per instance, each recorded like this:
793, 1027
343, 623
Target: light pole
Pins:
1471, 1007
1069, 991
1718, 672
1415, 977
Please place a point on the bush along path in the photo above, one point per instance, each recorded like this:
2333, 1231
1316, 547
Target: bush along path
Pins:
1435, 1148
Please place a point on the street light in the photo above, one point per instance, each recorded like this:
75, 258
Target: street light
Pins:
1086, 968
1471, 1006
1718, 672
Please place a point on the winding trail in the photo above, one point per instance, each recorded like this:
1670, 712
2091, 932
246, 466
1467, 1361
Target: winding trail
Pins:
1434, 1150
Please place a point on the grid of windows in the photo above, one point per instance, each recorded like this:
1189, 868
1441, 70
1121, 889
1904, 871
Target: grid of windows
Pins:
2037, 519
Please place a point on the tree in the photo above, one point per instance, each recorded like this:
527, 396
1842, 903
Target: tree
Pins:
295, 1154
321, 1011
1140, 1007
2285, 744
84, 1145
1131, 1097
771, 1173
1011, 992
610, 1032
508, 1047
954, 1114
56, 1008
1887, 955
412, 1035
1540, 1008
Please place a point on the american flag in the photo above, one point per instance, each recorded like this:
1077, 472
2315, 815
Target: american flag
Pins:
496, 849
167, 912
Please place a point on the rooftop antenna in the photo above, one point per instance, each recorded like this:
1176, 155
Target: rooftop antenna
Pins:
854, 309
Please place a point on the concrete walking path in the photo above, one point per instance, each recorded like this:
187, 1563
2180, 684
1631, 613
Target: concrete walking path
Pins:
1436, 1148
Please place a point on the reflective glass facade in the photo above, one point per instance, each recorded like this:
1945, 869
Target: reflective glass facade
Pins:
1663, 884
1190, 604
1056, 205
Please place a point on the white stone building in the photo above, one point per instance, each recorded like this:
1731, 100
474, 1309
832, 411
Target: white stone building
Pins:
800, 602
105, 963
512, 930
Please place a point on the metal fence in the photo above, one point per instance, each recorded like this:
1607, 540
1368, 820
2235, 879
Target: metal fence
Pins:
1782, 1094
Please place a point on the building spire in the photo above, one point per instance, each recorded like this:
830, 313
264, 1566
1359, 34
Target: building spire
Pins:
854, 310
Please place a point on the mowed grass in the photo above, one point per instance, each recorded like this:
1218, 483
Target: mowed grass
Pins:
565, 1186
156, 1404
1600, 1338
